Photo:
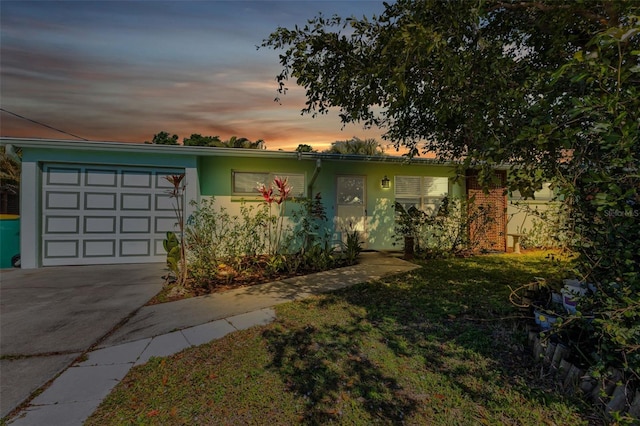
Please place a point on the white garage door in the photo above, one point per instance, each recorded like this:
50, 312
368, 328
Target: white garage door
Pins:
94, 214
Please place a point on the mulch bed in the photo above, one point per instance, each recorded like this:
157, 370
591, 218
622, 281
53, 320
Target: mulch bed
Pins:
226, 279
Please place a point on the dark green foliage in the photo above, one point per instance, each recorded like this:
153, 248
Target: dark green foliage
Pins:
357, 146
455, 78
352, 247
163, 138
600, 183
172, 247
305, 148
9, 173
548, 86
444, 232
310, 246
199, 140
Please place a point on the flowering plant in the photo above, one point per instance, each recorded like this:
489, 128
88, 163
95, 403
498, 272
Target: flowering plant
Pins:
283, 192
283, 187
177, 191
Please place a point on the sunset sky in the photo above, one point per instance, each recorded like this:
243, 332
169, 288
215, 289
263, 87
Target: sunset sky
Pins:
124, 70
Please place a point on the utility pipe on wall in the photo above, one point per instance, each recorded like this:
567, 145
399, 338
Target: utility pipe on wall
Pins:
316, 172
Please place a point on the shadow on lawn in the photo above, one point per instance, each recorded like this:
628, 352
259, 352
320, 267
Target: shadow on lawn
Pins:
331, 372
446, 315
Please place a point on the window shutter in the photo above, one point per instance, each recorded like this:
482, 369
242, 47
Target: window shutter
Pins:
407, 186
295, 181
435, 186
247, 183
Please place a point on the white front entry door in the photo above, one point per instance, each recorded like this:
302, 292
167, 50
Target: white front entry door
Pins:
351, 206
97, 214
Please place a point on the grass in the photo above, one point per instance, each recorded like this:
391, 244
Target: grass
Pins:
438, 346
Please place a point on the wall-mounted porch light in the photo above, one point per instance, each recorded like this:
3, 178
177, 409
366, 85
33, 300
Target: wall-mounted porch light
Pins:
386, 183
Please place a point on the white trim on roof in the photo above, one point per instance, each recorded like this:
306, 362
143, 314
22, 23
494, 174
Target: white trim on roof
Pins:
209, 151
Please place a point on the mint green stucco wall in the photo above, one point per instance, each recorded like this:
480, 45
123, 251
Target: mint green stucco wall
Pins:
380, 201
216, 180
215, 172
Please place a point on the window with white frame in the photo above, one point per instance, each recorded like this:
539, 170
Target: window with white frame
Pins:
422, 192
246, 183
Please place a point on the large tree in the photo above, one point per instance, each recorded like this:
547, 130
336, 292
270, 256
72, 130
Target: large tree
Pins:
548, 86
459, 78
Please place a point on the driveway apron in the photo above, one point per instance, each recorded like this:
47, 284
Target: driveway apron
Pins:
49, 316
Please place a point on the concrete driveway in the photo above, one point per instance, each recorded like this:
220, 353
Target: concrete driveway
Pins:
50, 316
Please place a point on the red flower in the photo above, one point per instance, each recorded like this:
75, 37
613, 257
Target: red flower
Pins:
267, 193
175, 180
283, 188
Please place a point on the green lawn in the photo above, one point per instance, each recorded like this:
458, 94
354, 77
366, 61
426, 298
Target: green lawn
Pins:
437, 346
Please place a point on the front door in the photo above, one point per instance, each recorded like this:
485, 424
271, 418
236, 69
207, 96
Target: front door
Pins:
351, 211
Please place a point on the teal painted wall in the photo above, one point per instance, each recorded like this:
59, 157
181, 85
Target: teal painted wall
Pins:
109, 157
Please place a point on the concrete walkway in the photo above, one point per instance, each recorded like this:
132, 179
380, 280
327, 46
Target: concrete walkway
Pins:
165, 329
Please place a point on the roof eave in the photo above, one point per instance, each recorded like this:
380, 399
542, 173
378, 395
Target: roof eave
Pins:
204, 151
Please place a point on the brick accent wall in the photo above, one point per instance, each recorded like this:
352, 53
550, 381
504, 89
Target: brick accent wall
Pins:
491, 236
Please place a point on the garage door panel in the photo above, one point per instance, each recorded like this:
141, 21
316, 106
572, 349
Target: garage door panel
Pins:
55, 249
162, 182
99, 224
63, 176
99, 248
99, 201
103, 178
62, 224
164, 202
164, 224
133, 247
99, 214
135, 201
158, 246
62, 200
136, 179
135, 225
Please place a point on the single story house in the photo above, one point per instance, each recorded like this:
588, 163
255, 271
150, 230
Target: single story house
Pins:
91, 202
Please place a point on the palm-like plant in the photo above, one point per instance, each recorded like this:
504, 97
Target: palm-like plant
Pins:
236, 142
355, 145
270, 197
9, 173
9, 178
177, 192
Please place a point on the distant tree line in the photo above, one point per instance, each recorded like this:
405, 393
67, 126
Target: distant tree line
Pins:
355, 145
163, 138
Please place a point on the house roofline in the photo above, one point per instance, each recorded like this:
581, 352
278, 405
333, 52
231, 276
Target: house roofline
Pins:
204, 151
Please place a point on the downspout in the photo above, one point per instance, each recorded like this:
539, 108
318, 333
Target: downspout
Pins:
316, 172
